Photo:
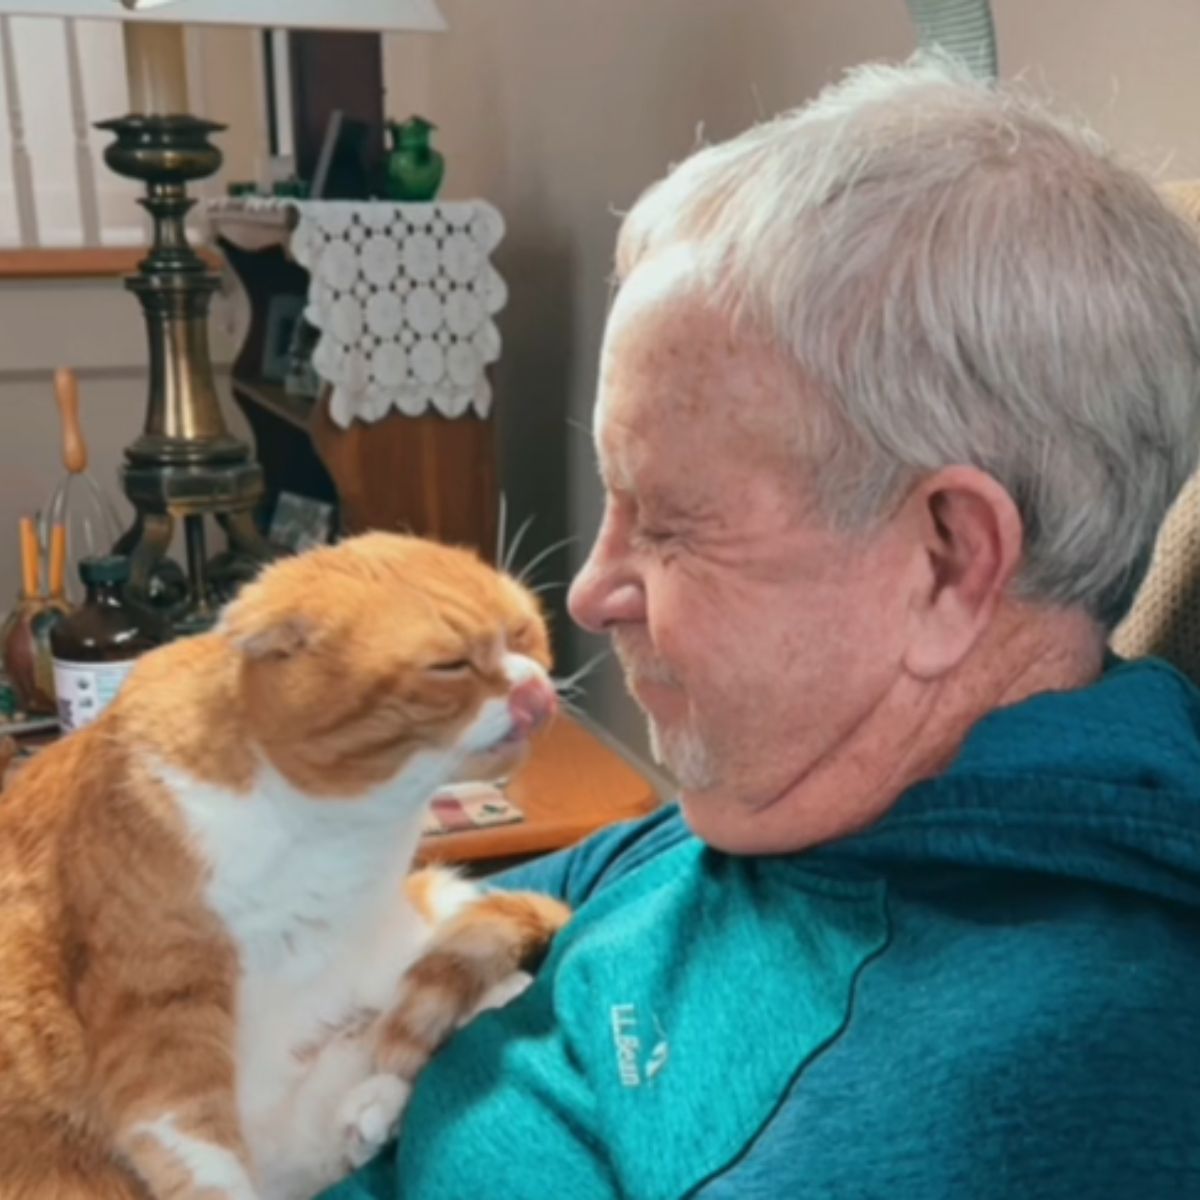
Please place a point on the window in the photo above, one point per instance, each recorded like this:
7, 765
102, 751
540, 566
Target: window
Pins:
57, 77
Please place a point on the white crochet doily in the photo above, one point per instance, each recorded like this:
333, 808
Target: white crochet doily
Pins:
404, 296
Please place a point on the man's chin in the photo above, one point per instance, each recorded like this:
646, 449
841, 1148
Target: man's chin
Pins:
685, 755
717, 820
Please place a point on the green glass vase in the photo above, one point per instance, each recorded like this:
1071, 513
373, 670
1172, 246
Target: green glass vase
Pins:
414, 167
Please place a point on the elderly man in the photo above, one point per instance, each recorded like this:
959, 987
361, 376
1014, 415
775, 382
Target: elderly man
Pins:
895, 393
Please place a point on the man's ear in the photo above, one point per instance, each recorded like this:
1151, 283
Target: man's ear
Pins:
971, 540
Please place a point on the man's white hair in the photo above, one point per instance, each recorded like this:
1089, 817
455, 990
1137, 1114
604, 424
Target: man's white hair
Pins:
960, 277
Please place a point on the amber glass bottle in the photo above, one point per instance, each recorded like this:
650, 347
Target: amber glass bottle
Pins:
95, 646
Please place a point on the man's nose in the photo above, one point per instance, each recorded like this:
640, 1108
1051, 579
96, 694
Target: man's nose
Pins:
603, 595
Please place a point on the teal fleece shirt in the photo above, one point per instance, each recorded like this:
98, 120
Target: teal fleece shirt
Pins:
993, 992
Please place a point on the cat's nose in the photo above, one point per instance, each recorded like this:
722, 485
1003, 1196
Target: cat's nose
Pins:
532, 703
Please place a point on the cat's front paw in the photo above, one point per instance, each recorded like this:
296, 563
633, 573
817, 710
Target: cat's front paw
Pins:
369, 1115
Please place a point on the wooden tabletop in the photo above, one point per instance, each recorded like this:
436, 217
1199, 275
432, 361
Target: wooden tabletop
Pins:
571, 785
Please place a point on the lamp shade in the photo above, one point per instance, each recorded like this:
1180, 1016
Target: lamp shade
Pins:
377, 15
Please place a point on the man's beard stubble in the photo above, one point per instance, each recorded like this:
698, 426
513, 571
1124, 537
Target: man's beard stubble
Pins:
680, 749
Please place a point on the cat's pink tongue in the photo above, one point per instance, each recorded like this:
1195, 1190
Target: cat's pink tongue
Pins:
531, 704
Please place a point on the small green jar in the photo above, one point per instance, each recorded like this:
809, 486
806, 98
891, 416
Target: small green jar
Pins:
414, 167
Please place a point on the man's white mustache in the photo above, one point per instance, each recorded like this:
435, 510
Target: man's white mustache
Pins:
643, 667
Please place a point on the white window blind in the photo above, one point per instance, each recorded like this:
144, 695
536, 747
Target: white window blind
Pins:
57, 77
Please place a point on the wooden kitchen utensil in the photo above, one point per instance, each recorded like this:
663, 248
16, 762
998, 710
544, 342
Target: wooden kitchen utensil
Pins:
79, 505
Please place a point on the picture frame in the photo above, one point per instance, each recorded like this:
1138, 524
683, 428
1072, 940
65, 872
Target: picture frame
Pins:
299, 523
301, 378
284, 313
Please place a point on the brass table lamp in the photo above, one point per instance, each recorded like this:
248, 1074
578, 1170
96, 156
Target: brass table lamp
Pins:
186, 466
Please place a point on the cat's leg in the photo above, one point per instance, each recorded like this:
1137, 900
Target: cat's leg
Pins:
181, 1158
472, 960
480, 947
165, 1074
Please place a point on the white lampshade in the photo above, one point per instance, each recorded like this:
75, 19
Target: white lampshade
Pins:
378, 15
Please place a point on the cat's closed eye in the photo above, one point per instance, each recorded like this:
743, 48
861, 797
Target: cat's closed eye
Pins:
455, 666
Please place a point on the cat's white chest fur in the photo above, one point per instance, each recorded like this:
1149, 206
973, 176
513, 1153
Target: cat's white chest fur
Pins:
311, 892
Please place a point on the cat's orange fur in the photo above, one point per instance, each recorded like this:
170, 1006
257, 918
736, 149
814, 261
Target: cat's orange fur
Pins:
119, 976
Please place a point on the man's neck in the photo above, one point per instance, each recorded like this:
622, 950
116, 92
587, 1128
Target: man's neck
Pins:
1024, 652
919, 726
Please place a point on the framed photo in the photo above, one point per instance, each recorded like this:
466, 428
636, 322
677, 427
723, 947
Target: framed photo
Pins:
283, 316
299, 523
301, 378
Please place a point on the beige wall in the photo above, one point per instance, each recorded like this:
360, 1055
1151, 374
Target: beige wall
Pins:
1131, 68
560, 111
226, 86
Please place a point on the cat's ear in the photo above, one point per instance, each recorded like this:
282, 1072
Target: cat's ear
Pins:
262, 634
281, 640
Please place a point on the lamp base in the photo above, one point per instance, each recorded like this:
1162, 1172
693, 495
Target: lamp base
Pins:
186, 465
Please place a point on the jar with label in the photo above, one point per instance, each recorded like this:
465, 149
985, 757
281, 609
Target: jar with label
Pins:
96, 646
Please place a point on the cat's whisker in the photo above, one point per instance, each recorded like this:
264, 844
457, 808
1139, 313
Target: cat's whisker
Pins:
574, 679
549, 587
528, 569
572, 709
514, 549
564, 687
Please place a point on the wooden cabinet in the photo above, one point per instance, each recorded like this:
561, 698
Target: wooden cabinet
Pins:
428, 475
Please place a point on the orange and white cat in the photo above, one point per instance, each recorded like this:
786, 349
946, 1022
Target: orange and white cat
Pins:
214, 967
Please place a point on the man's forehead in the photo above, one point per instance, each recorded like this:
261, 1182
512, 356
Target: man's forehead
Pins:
657, 343
671, 361
663, 283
